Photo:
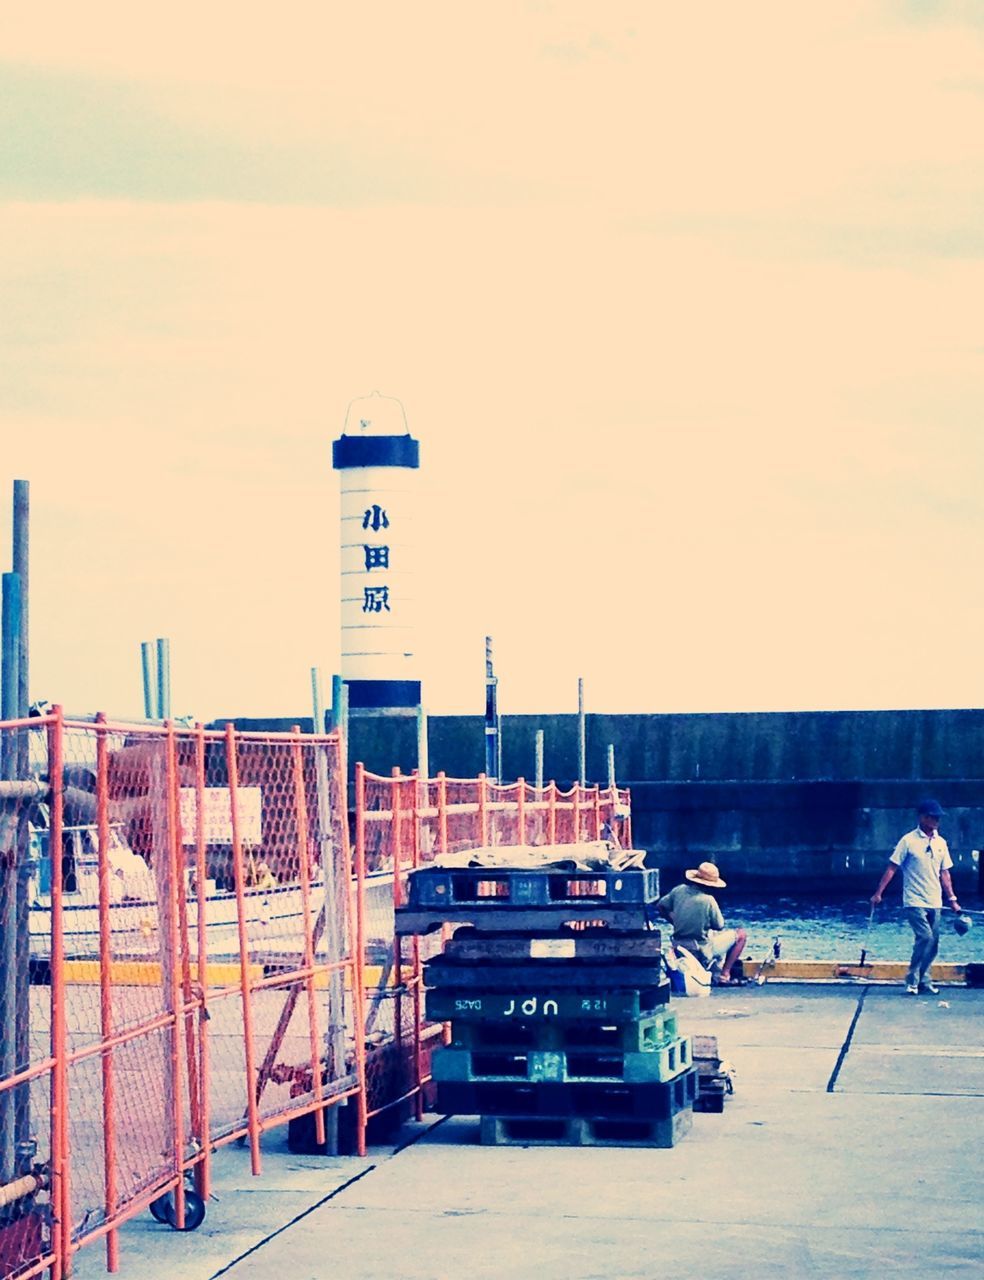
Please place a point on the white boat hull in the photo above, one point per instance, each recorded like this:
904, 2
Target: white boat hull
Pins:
273, 922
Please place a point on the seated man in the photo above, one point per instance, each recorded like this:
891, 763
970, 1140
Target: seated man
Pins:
698, 925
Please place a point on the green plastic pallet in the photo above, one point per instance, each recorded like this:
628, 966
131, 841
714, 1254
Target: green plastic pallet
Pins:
547, 1066
535, 1131
634, 1036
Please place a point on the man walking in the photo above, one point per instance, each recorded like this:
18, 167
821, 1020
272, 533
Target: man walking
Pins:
925, 861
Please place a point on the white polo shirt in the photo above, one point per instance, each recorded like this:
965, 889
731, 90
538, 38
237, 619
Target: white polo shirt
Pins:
922, 858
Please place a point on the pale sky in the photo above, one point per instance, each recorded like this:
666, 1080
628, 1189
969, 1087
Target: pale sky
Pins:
683, 303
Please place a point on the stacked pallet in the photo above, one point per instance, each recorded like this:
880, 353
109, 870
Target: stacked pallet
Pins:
560, 1032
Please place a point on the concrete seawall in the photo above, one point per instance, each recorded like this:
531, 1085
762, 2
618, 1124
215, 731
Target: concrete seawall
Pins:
816, 796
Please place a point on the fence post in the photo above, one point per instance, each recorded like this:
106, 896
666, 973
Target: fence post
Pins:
61, 1198
301, 827
203, 1180
106, 994
237, 865
483, 815
358, 974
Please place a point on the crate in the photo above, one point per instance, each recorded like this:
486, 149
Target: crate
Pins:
533, 1004
430, 887
585, 975
649, 1032
564, 946
579, 1131
552, 1066
529, 920
652, 1100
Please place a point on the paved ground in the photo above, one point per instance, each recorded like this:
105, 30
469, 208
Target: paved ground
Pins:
850, 1149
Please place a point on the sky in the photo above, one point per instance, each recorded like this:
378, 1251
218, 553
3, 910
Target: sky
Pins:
681, 301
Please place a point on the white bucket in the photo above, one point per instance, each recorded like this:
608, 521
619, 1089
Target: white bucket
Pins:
696, 979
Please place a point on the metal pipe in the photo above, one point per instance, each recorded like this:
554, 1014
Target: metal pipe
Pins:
358, 967
9, 694
492, 758
204, 1180
163, 678
581, 735
110, 1186
23, 789
538, 753
22, 979
304, 867
61, 1194
19, 1189
148, 658
317, 707
253, 1126
611, 764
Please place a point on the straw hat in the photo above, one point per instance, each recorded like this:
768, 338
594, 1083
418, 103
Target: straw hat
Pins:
706, 874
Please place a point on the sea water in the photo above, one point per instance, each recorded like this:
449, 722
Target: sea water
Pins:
838, 928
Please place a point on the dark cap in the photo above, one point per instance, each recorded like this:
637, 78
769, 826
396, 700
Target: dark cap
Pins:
931, 808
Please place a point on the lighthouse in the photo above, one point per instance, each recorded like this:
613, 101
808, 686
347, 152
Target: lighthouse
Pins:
377, 460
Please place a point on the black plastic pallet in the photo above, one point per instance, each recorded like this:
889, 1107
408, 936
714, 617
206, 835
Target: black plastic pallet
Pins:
563, 946
580, 1131
529, 920
649, 1032
650, 1101
588, 975
430, 887
528, 1004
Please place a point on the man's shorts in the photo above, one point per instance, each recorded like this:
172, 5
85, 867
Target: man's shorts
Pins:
719, 942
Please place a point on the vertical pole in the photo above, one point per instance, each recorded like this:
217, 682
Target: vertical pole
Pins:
552, 814
172, 977
204, 1180
538, 755
22, 982
581, 736
317, 705
491, 716
61, 1197
148, 658
9, 694
303, 859
21, 566
358, 968
442, 812
337, 686
106, 995
521, 810
423, 786
417, 972
611, 764
334, 914
253, 1124
163, 679
483, 811
423, 763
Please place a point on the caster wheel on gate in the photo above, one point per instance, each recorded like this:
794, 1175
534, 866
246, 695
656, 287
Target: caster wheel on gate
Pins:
159, 1208
194, 1212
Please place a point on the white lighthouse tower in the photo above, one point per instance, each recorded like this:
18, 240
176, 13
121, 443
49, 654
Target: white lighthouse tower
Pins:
378, 461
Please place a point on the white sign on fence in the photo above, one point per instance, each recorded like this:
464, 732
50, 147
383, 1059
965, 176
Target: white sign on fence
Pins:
217, 814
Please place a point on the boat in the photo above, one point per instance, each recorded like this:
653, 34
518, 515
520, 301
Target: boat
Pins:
273, 911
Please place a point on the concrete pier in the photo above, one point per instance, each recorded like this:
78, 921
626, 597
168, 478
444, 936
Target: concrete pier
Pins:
851, 1148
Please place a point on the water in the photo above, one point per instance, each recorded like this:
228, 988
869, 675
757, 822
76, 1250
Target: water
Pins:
814, 929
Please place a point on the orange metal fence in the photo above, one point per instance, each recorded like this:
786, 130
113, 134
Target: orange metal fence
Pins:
193, 951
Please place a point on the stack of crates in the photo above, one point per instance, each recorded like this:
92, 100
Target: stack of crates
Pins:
558, 1005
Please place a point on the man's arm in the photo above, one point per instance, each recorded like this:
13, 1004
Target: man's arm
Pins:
948, 894
884, 882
